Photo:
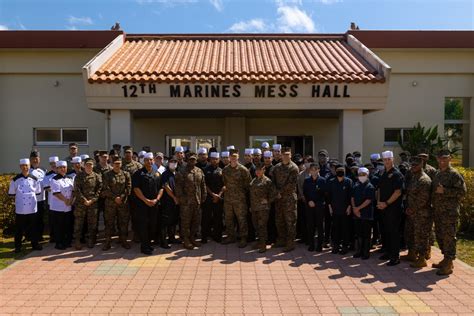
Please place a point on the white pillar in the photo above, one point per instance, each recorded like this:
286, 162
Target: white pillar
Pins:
351, 125
120, 127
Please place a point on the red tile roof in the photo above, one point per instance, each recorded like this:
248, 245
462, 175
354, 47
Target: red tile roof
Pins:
236, 58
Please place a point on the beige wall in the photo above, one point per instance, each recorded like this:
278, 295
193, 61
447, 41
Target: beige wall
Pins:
236, 131
438, 74
29, 99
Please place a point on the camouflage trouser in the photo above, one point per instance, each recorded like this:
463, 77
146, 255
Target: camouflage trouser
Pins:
89, 213
116, 213
445, 220
408, 232
285, 218
260, 222
239, 209
422, 227
190, 215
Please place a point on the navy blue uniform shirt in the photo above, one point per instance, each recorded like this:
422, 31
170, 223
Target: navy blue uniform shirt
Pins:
315, 190
361, 193
340, 193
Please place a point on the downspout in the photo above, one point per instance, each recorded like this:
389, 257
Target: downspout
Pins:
107, 129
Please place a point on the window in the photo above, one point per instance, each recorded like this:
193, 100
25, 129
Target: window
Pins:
191, 143
60, 136
393, 135
456, 128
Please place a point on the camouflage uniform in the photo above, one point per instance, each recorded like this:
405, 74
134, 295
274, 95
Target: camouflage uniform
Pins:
446, 208
131, 167
86, 187
285, 177
116, 184
262, 194
236, 181
191, 192
418, 200
430, 171
101, 202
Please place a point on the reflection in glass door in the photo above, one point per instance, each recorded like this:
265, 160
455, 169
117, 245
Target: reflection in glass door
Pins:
191, 143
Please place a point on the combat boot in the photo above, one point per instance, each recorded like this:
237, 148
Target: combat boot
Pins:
125, 244
78, 245
243, 242
228, 240
358, 248
262, 247
106, 246
290, 246
440, 264
278, 244
410, 256
419, 263
187, 244
256, 245
428, 254
447, 268
196, 243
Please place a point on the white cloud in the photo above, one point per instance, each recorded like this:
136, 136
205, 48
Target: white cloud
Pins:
329, 1
217, 4
3, 27
169, 3
250, 26
292, 19
80, 20
71, 28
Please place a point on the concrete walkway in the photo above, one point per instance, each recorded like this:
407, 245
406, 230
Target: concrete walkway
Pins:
221, 280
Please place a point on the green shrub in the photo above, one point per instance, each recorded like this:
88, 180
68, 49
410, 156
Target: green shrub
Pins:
466, 223
7, 206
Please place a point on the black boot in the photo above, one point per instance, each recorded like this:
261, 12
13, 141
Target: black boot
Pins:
358, 248
163, 242
365, 249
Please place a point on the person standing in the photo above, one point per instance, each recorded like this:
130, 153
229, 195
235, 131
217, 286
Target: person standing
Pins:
449, 189
117, 186
191, 194
419, 210
40, 174
390, 203
285, 176
87, 189
362, 207
62, 188
213, 208
148, 189
314, 190
169, 212
339, 197
236, 185
262, 194
25, 187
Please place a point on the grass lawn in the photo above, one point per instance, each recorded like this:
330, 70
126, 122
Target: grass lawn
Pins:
465, 249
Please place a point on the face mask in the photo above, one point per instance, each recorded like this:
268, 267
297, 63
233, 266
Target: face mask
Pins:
362, 179
141, 160
306, 165
380, 167
172, 165
358, 160
340, 173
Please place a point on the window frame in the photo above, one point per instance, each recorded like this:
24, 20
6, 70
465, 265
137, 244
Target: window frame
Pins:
395, 143
61, 142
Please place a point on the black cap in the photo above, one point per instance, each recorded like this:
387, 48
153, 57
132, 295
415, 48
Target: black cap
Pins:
323, 152
34, 154
356, 154
103, 152
416, 160
116, 146
127, 148
233, 152
72, 145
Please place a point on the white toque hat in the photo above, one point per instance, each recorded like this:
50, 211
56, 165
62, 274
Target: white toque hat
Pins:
61, 163
267, 154
76, 159
225, 154
257, 151
202, 150
214, 155
141, 153
53, 159
265, 145
387, 154
363, 170
248, 151
148, 156
84, 156
375, 156
276, 147
230, 147
24, 161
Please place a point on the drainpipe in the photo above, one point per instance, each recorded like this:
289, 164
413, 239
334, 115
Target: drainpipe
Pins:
107, 129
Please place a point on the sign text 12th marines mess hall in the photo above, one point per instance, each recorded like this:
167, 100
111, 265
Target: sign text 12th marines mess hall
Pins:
234, 90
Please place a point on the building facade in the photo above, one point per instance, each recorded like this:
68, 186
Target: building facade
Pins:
361, 90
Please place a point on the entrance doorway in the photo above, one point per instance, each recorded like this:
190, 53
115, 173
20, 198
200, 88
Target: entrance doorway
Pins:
299, 144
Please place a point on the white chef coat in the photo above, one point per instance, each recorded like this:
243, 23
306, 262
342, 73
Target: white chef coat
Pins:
65, 186
46, 183
25, 191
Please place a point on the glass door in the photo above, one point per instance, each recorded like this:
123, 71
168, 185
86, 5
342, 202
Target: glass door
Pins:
191, 143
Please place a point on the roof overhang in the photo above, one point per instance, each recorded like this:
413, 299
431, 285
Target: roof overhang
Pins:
303, 72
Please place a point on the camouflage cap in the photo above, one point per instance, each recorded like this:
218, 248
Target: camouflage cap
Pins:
444, 153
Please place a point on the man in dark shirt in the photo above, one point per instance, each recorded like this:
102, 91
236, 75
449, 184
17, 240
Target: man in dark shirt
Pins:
390, 203
213, 208
314, 190
148, 190
339, 196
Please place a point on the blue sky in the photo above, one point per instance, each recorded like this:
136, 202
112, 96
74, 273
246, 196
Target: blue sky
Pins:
242, 16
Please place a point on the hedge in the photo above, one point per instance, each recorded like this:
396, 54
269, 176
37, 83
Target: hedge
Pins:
466, 223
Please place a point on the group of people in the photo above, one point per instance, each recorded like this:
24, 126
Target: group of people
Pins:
270, 197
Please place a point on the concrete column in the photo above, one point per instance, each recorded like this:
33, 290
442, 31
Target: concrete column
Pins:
235, 133
120, 127
351, 126
470, 134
